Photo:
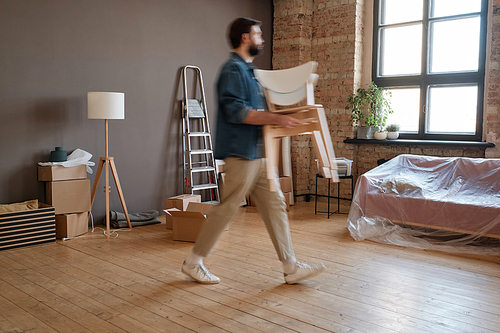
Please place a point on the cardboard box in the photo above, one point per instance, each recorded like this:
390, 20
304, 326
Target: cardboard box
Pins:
182, 201
169, 220
69, 196
286, 184
187, 224
27, 227
71, 225
58, 172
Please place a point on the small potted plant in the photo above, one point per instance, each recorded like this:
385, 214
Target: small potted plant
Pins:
369, 109
392, 131
380, 135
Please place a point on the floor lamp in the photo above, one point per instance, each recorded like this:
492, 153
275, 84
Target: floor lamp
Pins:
107, 105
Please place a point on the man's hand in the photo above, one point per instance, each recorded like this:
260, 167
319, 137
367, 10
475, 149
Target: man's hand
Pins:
287, 121
255, 117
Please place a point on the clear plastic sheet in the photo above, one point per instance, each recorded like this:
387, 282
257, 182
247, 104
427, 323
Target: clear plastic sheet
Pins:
445, 204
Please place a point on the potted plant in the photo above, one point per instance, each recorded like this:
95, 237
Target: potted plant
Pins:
380, 135
392, 131
369, 109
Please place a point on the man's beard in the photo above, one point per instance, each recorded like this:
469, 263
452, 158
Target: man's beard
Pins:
255, 50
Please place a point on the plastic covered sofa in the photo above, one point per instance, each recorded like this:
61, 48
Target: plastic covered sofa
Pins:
450, 204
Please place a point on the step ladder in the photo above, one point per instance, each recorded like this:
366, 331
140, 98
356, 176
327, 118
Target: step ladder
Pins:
200, 172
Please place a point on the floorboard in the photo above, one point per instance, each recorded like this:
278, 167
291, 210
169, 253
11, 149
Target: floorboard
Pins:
133, 283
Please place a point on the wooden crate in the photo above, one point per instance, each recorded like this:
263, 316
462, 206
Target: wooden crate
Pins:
29, 227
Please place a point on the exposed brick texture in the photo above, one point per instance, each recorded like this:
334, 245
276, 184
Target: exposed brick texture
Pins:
331, 33
492, 121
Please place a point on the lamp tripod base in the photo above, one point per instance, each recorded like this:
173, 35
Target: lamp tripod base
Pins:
104, 162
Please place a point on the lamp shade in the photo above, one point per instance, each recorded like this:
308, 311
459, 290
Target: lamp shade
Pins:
106, 105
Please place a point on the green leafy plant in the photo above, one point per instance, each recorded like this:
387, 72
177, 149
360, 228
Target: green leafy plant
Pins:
371, 105
392, 128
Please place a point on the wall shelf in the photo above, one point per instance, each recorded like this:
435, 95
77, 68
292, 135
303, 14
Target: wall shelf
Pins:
407, 142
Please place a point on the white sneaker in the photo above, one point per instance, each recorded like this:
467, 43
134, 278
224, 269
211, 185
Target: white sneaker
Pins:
200, 274
303, 271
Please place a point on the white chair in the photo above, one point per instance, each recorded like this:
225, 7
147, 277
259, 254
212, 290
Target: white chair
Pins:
283, 89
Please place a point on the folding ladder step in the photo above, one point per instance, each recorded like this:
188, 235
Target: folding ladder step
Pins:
195, 109
201, 169
198, 134
203, 187
201, 151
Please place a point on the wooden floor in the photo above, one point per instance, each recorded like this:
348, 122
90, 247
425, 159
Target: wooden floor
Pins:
133, 283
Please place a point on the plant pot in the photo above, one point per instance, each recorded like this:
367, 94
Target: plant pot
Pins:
380, 135
366, 132
392, 135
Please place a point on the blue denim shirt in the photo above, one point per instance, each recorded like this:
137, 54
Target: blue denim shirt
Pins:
238, 91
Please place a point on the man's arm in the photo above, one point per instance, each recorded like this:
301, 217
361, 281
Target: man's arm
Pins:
255, 117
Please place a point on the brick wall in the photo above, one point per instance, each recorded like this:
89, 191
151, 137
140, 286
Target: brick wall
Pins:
331, 33
491, 117
292, 43
327, 32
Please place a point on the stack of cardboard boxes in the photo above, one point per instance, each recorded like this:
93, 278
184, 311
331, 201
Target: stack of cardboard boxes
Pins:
185, 216
68, 191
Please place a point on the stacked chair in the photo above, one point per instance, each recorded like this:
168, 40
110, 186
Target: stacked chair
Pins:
286, 92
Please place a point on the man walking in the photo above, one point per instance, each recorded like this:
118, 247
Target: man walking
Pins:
239, 142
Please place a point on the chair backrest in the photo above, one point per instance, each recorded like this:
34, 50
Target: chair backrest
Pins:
289, 86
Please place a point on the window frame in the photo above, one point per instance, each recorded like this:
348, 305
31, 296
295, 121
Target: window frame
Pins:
425, 80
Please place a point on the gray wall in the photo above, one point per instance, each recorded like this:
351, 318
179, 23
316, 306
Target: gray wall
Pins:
52, 52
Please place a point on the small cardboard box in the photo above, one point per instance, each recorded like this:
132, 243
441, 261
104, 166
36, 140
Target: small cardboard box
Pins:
187, 224
169, 220
69, 196
59, 172
27, 227
182, 201
71, 225
286, 184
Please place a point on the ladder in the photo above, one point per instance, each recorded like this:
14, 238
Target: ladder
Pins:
200, 171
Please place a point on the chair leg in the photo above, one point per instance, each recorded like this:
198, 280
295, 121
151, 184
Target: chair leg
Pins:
275, 161
271, 154
316, 196
321, 152
325, 132
329, 183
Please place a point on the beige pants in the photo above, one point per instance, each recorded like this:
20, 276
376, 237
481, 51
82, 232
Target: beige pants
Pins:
242, 177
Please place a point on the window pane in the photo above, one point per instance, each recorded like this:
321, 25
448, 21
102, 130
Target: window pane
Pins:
455, 45
406, 104
452, 109
398, 11
401, 50
441, 8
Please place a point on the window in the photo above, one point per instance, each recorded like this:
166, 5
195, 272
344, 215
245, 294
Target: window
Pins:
430, 54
